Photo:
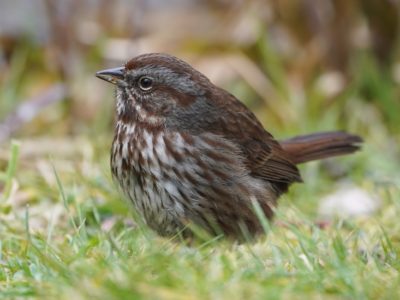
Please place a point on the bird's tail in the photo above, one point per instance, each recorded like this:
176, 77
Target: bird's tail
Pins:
320, 145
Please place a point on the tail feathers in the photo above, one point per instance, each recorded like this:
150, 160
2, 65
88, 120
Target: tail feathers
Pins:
320, 145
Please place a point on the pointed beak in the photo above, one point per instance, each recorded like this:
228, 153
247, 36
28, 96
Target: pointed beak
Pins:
115, 75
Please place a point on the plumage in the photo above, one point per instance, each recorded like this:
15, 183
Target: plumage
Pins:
188, 152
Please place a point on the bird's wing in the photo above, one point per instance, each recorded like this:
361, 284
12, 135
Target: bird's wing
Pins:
263, 154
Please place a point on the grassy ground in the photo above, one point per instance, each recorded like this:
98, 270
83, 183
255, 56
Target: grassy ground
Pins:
67, 237
66, 234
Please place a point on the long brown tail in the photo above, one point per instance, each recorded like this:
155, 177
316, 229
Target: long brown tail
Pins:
320, 145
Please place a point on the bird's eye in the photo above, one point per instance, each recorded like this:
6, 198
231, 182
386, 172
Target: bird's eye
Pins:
145, 83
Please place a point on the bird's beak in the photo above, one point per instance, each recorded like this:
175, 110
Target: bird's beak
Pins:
115, 76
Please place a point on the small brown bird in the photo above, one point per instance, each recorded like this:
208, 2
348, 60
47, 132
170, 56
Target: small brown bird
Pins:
188, 152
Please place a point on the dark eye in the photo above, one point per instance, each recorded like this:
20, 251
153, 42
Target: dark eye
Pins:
145, 83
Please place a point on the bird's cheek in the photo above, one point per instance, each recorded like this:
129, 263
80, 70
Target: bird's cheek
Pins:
184, 99
166, 108
158, 103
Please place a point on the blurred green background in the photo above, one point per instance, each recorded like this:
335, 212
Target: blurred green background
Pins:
302, 66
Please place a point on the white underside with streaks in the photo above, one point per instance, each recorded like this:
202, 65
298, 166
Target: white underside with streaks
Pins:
153, 201
143, 167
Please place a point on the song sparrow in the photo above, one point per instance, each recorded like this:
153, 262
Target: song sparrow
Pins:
186, 151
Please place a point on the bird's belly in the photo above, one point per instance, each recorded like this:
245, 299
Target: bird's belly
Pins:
152, 195
153, 203
172, 187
